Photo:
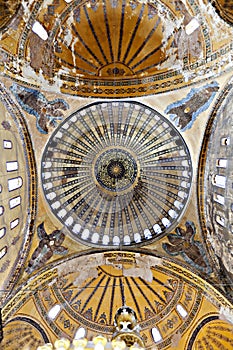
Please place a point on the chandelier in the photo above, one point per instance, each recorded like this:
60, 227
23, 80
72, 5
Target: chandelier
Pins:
126, 336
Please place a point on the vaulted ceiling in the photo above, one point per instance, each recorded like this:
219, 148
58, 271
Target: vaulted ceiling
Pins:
116, 170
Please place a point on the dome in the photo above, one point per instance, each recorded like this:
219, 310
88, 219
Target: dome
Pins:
17, 191
218, 181
116, 197
116, 173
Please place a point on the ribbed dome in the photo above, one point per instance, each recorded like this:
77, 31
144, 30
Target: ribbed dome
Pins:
116, 173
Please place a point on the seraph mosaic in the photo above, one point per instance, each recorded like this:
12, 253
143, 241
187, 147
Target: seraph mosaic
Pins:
184, 112
47, 113
192, 251
49, 245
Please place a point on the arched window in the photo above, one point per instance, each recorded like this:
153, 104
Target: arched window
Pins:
54, 311
225, 141
221, 163
15, 183
156, 335
14, 202
220, 220
80, 333
181, 310
11, 166
2, 232
7, 144
219, 181
14, 223
3, 252
219, 198
1, 210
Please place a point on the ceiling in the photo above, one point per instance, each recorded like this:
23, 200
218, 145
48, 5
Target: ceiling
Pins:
116, 176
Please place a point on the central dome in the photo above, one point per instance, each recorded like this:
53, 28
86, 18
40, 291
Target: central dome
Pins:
116, 173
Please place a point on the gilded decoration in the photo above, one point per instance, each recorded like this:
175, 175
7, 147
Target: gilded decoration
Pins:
115, 48
164, 299
212, 333
116, 194
23, 331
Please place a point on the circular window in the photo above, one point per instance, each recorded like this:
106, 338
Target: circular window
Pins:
116, 173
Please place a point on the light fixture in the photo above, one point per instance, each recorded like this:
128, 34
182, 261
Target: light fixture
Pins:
126, 336
97, 343
127, 328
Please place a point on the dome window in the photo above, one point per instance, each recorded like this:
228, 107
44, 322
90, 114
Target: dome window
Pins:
7, 144
181, 310
192, 26
220, 220
80, 333
15, 183
3, 252
38, 29
219, 181
156, 334
11, 166
219, 199
14, 223
221, 163
2, 232
54, 311
225, 141
14, 202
